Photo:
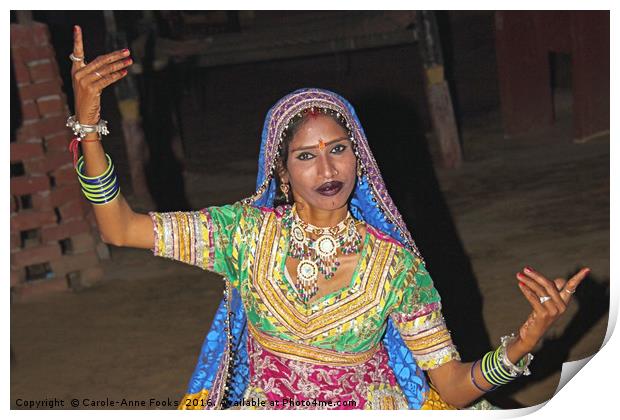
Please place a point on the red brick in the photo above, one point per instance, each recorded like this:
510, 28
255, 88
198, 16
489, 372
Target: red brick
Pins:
51, 125
64, 230
103, 251
42, 70
31, 53
30, 111
47, 163
22, 74
30, 219
72, 210
27, 134
22, 185
42, 201
74, 262
58, 142
40, 33
65, 175
23, 151
90, 217
90, 276
88, 208
42, 127
37, 90
16, 241
49, 105
21, 35
17, 277
65, 193
83, 242
35, 166
36, 255
14, 205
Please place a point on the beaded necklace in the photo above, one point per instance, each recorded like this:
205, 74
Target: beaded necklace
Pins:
320, 255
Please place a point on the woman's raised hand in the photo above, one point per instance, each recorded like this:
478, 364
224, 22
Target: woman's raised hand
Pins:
89, 79
549, 300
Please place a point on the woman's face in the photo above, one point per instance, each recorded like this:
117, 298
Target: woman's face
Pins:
321, 165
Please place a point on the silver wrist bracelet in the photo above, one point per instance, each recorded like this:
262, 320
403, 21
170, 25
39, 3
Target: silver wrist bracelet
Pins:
81, 130
522, 366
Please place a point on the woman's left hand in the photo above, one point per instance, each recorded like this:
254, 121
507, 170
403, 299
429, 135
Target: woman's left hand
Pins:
536, 286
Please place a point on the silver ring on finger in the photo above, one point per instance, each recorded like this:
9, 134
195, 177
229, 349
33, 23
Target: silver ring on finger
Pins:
543, 299
100, 76
75, 59
570, 291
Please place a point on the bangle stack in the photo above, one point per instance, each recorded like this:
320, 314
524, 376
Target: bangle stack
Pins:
99, 189
497, 369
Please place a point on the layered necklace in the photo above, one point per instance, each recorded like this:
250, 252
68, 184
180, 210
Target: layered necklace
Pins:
320, 255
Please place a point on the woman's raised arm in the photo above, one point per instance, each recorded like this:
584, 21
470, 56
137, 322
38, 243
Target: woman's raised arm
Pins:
118, 224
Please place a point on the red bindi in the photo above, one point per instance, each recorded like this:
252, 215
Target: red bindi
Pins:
313, 113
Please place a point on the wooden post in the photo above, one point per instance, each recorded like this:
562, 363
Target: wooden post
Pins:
437, 90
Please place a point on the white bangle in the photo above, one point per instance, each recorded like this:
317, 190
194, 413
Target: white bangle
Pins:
81, 130
523, 364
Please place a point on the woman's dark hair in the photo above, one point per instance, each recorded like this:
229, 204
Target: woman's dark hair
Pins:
293, 127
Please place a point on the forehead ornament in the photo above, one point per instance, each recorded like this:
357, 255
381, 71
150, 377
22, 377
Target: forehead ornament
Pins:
321, 145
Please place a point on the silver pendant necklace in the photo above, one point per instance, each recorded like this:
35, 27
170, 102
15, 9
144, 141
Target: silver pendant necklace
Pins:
316, 248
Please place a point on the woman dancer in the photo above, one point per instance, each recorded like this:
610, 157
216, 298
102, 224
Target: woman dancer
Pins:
328, 302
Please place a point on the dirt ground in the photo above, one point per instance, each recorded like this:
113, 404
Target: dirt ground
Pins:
540, 200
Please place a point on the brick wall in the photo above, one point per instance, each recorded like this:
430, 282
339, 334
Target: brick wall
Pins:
54, 242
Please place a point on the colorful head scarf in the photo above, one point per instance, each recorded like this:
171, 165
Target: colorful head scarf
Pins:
370, 202
222, 371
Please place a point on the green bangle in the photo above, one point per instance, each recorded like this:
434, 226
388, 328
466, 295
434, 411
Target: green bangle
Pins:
80, 163
99, 187
102, 198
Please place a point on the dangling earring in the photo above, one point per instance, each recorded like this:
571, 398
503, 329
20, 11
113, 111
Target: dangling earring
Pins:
284, 187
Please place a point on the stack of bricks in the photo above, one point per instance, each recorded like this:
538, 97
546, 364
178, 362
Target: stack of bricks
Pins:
54, 243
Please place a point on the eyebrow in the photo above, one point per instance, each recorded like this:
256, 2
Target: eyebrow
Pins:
317, 146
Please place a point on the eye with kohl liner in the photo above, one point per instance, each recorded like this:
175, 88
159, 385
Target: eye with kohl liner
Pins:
337, 149
305, 156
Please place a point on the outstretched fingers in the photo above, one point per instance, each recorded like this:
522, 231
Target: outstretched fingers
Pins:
543, 287
110, 78
532, 298
103, 71
103, 60
571, 285
106, 71
78, 49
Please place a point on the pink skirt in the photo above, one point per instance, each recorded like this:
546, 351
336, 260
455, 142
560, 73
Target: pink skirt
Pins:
279, 383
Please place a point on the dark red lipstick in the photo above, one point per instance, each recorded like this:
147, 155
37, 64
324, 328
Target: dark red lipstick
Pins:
330, 188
